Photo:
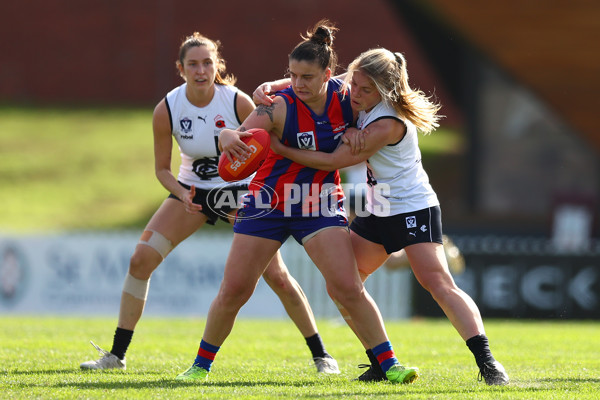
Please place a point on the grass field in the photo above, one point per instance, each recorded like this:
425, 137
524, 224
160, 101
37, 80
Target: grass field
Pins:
264, 359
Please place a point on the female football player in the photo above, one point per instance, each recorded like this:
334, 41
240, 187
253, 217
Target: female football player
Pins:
194, 113
287, 198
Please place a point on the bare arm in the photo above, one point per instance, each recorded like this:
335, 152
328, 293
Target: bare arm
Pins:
163, 145
377, 135
270, 118
261, 94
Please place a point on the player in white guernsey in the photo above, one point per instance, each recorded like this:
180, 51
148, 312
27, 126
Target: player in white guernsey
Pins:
403, 210
194, 114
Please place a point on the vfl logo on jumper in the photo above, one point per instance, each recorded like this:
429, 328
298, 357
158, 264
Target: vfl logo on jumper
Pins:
219, 122
306, 140
411, 222
206, 168
185, 125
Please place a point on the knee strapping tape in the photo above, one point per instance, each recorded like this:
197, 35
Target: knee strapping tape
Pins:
138, 288
157, 241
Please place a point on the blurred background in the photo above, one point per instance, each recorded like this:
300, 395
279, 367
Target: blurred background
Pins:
515, 164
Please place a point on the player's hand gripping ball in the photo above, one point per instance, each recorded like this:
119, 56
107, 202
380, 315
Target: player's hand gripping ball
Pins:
259, 144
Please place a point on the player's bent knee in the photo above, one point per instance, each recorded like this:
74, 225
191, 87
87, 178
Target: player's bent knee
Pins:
233, 300
157, 241
439, 282
346, 295
278, 281
138, 288
143, 262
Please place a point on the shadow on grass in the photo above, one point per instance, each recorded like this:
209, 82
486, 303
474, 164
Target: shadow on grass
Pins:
43, 371
128, 384
172, 383
570, 380
357, 389
314, 389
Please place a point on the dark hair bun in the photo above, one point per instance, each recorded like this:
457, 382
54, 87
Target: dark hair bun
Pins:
323, 35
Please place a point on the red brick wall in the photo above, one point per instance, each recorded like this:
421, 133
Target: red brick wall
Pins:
124, 52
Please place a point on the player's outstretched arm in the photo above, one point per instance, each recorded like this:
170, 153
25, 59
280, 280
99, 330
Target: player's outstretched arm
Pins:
376, 136
263, 93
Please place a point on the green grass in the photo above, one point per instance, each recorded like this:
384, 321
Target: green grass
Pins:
65, 169
71, 169
264, 359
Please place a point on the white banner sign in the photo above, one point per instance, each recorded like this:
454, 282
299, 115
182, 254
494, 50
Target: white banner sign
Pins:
83, 274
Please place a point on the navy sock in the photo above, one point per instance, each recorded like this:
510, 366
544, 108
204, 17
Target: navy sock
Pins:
374, 362
315, 344
385, 355
121, 342
480, 348
206, 355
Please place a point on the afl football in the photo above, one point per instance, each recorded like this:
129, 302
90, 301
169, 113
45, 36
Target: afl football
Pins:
259, 144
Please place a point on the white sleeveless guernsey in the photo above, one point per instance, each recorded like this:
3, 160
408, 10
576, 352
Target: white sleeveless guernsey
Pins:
197, 129
397, 182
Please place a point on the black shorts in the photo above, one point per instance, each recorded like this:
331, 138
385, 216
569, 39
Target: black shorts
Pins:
207, 199
401, 230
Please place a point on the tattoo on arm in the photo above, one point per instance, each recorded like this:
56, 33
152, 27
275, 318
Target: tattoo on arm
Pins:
263, 109
242, 128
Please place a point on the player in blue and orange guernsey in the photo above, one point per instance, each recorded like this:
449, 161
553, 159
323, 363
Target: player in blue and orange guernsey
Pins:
280, 180
288, 198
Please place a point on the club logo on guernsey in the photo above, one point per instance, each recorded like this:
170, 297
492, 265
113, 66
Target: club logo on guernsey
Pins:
206, 168
219, 121
186, 125
306, 140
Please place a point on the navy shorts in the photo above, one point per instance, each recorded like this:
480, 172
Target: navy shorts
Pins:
401, 230
274, 225
209, 202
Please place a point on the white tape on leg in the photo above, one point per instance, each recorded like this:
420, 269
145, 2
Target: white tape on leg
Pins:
138, 288
157, 241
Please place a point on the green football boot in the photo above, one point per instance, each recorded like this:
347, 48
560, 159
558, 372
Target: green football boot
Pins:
193, 373
400, 374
